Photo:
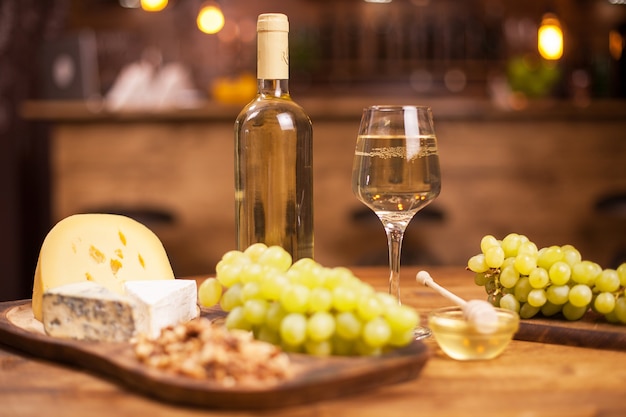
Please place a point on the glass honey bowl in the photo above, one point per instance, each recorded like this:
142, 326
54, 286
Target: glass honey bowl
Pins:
461, 340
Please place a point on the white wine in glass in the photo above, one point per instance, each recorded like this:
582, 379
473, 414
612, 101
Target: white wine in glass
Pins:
396, 173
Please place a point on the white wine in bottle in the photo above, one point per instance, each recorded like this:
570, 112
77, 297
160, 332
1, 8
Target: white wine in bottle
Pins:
274, 153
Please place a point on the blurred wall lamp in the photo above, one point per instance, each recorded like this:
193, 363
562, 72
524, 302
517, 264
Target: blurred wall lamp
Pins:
153, 5
550, 38
210, 18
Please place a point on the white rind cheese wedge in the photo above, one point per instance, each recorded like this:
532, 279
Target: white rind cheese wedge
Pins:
159, 304
106, 249
88, 311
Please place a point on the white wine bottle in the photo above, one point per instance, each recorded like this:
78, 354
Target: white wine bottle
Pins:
274, 153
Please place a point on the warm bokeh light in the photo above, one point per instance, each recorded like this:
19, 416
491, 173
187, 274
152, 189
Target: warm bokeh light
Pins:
616, 44
550, 38
153, 5
210, 19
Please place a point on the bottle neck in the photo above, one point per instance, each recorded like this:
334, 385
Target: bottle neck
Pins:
274, 88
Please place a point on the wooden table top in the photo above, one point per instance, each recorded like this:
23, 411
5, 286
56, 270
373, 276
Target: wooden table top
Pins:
528, 379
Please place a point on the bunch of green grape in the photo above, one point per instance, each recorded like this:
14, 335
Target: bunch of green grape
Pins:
306, 307
520, 277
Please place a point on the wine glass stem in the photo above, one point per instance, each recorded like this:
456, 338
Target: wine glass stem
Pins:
394, 239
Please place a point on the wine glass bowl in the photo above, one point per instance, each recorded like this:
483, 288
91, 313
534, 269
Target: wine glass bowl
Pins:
396, 172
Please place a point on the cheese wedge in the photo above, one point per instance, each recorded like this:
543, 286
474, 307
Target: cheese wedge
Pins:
88, 311
106, 249
163, 303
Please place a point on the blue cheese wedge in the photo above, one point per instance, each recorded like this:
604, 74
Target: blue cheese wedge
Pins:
162, 303
88, 311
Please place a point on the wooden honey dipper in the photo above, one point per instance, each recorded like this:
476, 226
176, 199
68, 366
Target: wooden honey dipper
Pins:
479, 313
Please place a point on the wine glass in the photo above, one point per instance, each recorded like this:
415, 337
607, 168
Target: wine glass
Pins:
396, 173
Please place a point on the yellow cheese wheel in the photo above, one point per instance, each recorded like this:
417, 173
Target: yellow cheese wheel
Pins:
107, 249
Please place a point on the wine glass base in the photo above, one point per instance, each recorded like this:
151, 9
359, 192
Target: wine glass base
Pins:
420, 333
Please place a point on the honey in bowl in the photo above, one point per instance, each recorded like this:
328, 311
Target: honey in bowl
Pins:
461, 340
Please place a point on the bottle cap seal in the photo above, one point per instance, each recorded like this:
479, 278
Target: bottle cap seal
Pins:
270, 22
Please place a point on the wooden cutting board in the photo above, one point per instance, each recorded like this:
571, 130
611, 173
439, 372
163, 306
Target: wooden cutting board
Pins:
592, 331
314, 379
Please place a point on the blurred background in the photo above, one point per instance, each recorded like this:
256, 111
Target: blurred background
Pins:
127, 106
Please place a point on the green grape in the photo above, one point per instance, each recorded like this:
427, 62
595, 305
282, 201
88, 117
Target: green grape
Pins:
250, 291
295, 298
621, 272
477, 263
274, 316
209, 292
571, 255
320, 348
494, 299
549, 256
235, 257
607, 281
255, 251
386, 299
537, 297
604, 303
228, 274
272, 286
293, 329
585, 272
580, 295
236, 320
348, 326
401, 337
510, 244
539, 278
487, 242
231, 298
522, 288
363, 349
572, 312
528, 247
481, 279
275, 257
376, 332
320, 299
620, 309
320, 326
557, 294
510, 261
344, 298
342, 346
494, 257
265, 334
369, 307
549, 309
255, 310
305, 264
491, 286
401, 317
509, 277
525, 262
252, 272
560, 273
528, 311
337, 277
509, 302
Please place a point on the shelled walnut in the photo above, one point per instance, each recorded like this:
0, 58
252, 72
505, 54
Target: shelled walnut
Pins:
203, 350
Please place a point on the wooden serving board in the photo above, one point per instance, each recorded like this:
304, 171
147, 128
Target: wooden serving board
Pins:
592, 331
314, 379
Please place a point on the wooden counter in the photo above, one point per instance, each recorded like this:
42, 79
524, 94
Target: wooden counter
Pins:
528, 379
